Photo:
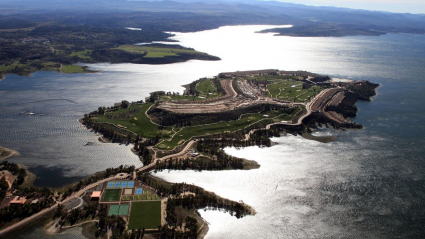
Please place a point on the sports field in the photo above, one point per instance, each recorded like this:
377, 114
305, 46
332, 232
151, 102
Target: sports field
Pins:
121, 210
120, 184
145, 215
113, 210
111, 195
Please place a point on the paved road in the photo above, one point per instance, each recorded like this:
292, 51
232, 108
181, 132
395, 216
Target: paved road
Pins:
72, 203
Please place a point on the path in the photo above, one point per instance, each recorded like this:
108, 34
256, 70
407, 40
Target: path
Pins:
151, 165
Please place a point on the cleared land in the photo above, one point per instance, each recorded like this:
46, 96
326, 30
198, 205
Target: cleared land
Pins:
156, 52
111, 195
145, 215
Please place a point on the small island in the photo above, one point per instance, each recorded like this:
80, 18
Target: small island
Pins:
188, 130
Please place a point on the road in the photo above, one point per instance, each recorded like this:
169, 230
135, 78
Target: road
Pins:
317, 100
151, 165
72, 203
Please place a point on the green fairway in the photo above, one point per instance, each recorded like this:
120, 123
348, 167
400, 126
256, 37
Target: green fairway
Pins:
71, 69
86, 54
292, 91
156, 52
145, 215
206, 86
111, 195
138, 123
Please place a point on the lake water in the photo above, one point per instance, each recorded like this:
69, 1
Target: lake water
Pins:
367, 184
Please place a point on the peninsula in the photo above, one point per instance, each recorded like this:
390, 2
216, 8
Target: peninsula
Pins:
188, 130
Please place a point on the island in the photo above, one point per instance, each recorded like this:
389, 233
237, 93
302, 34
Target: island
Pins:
188, 131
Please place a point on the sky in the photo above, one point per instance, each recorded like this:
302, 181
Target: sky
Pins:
401, 6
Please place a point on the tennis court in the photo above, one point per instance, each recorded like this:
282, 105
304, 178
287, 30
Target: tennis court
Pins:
120, 184
139, 191
120, 210
113, 210
123, 210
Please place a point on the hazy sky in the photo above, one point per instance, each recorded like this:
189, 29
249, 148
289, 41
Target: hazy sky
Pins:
411, 6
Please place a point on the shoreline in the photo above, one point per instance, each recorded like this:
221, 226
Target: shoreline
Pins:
7, 153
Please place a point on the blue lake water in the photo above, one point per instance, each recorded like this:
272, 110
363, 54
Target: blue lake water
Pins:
369, 183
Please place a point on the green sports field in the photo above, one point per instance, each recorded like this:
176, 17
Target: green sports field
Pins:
121, 210
111, 195
145, 215
113, 210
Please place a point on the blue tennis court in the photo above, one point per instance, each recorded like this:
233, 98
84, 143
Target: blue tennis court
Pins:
123, 184
110, 184
130, 184
139, 191
117, 184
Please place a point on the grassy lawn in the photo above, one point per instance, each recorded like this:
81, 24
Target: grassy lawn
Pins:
145, 215
139, 123
72, 69
111, 195
86, 54
155, 52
